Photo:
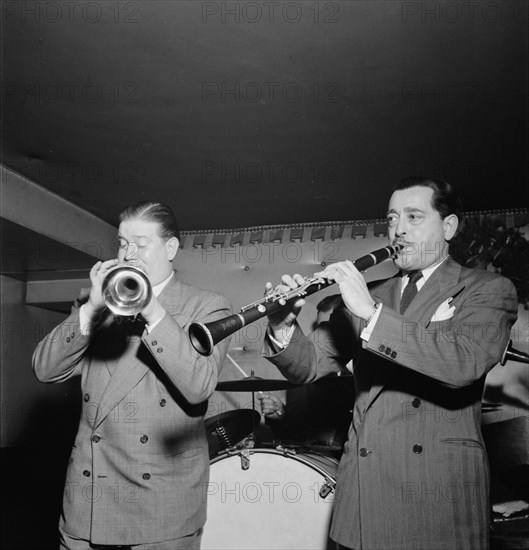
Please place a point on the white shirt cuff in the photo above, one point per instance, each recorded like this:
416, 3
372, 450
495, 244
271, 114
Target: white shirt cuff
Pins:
366, 333
286, 337
84, 320
152, 326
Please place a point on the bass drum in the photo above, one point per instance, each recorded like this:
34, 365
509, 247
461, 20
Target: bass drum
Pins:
269, 499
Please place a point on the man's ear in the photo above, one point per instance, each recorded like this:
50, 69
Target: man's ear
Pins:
171, 245
450, 224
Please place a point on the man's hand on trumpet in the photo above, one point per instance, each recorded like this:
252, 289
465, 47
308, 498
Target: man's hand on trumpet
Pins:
93, 308
96, 304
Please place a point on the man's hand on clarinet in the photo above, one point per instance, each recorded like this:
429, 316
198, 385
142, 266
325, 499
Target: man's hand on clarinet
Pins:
284, 318
353, 287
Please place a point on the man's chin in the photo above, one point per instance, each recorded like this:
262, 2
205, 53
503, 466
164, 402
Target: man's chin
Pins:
404, 264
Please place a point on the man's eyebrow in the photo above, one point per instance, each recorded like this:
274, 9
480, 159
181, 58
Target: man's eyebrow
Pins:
407, 210
134, 237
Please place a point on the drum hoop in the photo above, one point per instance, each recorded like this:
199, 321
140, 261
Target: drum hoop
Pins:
286, 454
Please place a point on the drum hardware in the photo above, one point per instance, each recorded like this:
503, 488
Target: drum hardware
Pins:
329, 484
327, 487
220, 432
297, 447
226, 430
245, 459
286, 450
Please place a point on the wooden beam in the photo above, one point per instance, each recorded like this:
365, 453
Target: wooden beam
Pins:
57, 295
34, 207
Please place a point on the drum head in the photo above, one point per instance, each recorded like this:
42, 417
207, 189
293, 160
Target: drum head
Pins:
274, 504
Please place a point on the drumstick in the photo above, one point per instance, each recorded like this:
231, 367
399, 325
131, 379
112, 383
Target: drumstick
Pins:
236, 364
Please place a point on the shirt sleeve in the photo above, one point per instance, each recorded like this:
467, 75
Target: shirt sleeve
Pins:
277, 343
366, 333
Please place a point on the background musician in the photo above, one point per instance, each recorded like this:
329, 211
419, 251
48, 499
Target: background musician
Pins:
414, 473
135, 479
313, 414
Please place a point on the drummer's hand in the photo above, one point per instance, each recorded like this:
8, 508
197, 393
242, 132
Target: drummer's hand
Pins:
285, 317
353, 287
271, 406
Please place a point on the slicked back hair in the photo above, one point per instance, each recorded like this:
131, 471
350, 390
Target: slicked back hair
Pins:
153, 212
444, 199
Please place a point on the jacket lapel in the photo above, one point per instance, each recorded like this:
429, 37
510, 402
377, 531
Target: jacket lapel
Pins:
129, 369
388, 294
441, 285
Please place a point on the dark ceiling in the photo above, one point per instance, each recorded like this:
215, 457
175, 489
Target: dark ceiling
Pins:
248, 113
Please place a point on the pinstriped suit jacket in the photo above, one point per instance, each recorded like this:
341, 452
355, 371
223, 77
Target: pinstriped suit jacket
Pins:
414, 474
140, 458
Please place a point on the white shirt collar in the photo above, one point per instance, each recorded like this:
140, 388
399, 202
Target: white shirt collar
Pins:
426, 274
157, 289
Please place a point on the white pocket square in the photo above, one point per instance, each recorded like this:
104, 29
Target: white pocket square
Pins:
444, 311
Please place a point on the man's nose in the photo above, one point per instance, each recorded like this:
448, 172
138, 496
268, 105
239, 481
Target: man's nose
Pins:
131, 251
401, 228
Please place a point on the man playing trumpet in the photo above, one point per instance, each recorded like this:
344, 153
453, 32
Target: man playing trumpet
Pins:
140, 456
414, 472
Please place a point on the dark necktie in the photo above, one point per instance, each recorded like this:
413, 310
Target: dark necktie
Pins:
410, 291
135, 326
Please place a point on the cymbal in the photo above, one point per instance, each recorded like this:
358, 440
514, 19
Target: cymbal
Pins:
254, 383
229, 428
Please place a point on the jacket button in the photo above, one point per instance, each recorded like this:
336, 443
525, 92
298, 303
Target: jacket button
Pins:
144, 439
154, 343
86, 397
416, 403
393, 354
86, 473
159, 350
146, 476
162, 402
388, 351
381, 347
67, 338
72, 334
96, 439
364, 451
417, 449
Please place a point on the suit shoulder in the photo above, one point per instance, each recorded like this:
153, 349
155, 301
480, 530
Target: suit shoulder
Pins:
380, 283
495, 283
202, 295
483, 276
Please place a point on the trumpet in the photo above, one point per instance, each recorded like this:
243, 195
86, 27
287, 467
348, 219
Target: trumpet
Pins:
126, 289
204, 336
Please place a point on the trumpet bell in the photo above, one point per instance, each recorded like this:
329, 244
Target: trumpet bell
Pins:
126, 290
